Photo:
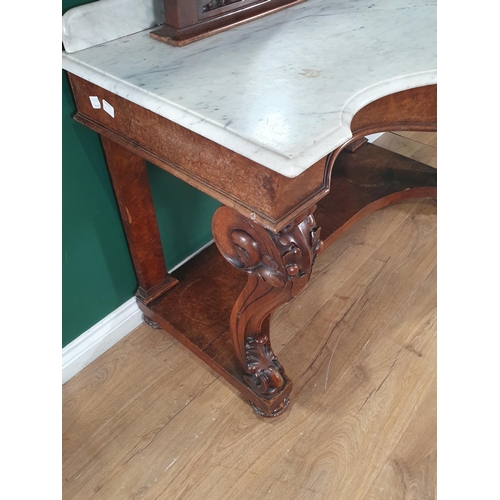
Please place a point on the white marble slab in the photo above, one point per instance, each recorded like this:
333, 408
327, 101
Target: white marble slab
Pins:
281, 90
106, 20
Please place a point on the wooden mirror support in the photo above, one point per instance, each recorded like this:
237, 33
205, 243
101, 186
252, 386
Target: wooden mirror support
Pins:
189, 20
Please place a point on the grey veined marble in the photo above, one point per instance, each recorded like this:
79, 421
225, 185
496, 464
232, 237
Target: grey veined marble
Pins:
281, 90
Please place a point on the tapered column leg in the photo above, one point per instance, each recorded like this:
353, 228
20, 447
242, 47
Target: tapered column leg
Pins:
131, 185
278, 266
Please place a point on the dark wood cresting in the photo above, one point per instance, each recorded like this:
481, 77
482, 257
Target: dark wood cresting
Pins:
189, 20
269, 228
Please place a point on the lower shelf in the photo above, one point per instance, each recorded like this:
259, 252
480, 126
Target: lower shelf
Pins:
196, 311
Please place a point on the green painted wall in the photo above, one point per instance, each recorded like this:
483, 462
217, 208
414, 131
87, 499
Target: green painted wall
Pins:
97, 269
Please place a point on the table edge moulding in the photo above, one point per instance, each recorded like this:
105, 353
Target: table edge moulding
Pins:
286, 193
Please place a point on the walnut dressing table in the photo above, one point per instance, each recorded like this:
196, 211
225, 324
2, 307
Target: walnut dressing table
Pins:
257, 117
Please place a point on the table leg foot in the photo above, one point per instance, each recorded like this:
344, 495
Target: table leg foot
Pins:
275, 413
150, 322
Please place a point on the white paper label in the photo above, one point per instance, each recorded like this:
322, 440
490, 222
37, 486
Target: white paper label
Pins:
108, 108
94, 100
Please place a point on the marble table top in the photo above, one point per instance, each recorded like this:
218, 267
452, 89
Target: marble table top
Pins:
281, 90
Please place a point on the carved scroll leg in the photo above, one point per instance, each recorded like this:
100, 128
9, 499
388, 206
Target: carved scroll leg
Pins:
278, 267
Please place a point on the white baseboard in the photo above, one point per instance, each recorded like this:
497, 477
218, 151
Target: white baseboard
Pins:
98, 339
105, 334
373, 137
206, 245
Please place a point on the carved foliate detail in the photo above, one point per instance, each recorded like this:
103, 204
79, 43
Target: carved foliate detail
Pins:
265, 373
278, 266
216, 4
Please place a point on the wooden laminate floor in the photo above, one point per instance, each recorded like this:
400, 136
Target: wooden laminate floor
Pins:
148, 420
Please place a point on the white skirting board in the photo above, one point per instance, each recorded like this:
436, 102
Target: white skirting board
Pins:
98, 339
373, 137
105, 334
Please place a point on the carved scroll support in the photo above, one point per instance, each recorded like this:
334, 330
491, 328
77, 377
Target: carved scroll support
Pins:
278, 266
